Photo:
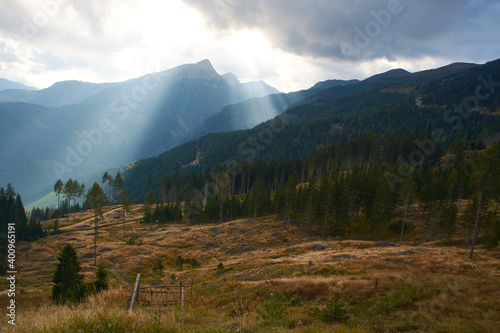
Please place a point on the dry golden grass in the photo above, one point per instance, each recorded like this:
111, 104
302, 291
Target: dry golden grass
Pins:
420, 288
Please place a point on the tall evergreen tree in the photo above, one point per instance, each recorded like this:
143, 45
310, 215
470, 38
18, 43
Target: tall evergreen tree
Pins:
69, 192
118, 184
487, 182
96, 198
148, 207
76, 193
258, 198
382, 206
111, 182
58, 189
105, 180
312, 190
68, 282
290, 196
101, 281
409, 195
149, 184
125, 201
164, 182
21, 220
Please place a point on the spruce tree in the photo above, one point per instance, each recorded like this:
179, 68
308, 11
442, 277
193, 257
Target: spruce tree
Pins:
383, 207
68, 282
21, 220
101, 278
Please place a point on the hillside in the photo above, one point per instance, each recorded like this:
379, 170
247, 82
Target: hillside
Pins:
110, 125
6, 84
248, 114
266, 281
333, 115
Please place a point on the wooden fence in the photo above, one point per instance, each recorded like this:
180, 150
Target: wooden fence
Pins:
164, 295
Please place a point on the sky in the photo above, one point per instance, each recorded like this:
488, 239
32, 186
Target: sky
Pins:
290, 44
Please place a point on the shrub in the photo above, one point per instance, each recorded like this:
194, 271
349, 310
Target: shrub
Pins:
274, 308
334, 312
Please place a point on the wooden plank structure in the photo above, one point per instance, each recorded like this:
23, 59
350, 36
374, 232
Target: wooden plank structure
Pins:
163, 295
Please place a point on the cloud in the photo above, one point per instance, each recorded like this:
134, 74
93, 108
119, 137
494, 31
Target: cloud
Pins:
354, 30
289, 44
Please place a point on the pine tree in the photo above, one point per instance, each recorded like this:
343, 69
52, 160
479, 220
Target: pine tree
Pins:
341, 204
58, 188
96, 198
311, 194
148, 207
149, 183
110, 185
68, 191
176, 186
382, 206
21, 220
164, 188
157, 270
101, 278
76, 193
409, 195
68, 282
487, 182
290, 195
258, 198
125, 201
105, 179
82, 192
118, 184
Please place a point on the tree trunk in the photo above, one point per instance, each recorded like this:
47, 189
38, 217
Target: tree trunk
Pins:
124, 218
476, 224
95, 237
404, 218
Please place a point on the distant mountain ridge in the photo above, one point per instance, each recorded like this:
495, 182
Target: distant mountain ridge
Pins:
59, 94
111, 125
73, 92
146, 116
7, 84
444, 71
323, 116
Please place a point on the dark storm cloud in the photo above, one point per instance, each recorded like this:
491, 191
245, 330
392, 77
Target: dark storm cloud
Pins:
354, 29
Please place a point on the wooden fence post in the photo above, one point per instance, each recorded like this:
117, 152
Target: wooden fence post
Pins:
136, 292
181, 295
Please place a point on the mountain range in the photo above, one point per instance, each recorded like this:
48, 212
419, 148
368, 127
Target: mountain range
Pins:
73, 129
9, 85
192, 118
385, 109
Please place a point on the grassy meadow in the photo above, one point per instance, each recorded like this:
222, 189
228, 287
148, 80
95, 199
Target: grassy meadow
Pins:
254, 278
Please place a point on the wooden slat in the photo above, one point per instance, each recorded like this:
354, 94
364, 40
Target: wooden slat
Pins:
135, 293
